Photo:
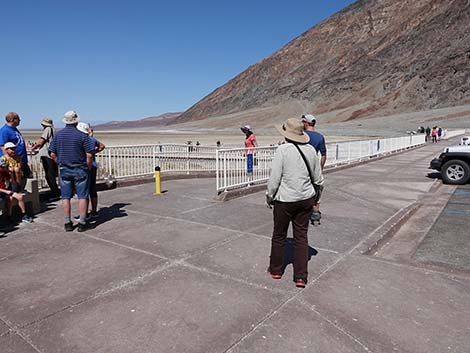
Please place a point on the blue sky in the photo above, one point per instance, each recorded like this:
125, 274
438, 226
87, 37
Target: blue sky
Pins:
125, 60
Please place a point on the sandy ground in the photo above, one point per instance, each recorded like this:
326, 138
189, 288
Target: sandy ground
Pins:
226, 129
204, 138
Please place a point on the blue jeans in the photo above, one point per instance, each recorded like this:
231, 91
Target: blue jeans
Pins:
73, 179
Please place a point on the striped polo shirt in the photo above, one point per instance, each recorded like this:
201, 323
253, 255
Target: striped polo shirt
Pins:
70, 145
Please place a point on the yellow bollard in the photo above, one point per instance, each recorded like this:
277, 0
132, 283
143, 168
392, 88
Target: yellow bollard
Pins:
158, 184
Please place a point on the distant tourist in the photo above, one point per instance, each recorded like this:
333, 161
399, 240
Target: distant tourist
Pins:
439, 133
295, 170
250, 143
86, 129
428, 134
73, 151
50, 167
434, 134
10, 133
218, 144
8, 195
317, 140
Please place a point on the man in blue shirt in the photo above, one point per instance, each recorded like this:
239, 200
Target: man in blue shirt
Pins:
317, 140
10, 133
73, 152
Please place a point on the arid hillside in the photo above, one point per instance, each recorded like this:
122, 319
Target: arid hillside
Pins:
150, 122
372, 59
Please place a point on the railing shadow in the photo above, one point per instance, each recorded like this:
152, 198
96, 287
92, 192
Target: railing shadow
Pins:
289, 253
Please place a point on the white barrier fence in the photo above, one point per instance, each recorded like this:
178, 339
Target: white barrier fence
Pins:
232, 170
229, 165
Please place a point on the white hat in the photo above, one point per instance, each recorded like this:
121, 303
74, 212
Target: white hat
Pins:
293, 129
83, 127
71, 117
246, 128
9, 145
309, 118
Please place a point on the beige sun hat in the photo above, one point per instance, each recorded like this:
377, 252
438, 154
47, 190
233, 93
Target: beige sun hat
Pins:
47, 121
71, 117
293, 129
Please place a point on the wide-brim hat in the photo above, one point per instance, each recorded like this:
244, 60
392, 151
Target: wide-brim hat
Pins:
71, 117
47, 122
293, 129
246, 128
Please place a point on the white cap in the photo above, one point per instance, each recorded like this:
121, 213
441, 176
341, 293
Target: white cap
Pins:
9, 145
83, 127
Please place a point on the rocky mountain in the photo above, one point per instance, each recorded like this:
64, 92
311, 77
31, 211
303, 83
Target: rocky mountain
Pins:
150, 122
374, 58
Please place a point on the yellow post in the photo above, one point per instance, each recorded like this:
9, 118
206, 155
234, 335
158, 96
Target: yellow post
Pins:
158, 185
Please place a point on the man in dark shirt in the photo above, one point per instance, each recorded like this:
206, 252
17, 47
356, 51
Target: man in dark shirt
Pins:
73, 152
317, 140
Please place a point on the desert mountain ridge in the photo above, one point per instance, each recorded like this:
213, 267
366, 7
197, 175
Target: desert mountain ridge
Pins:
149, 122
372, 59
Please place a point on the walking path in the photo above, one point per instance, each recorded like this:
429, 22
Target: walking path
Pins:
184, 273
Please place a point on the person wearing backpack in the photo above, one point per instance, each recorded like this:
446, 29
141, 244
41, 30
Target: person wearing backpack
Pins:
50, 167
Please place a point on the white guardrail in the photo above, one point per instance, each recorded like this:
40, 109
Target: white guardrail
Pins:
229, 165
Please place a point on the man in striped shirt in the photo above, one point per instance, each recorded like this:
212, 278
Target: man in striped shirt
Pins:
73, 152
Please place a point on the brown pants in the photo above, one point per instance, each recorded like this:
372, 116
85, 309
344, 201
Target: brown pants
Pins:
299, 214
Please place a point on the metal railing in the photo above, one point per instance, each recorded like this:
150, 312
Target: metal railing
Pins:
232, 168
229, 164
121, 162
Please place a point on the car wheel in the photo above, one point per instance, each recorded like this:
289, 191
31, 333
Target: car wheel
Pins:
455, 172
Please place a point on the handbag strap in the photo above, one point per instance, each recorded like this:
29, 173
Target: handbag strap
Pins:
305, 160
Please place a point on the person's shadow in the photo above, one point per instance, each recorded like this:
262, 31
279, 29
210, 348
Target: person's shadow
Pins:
106, 214
289, 253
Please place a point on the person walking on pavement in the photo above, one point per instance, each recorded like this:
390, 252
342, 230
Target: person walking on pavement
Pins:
10, 133
295, 170
317, 140
73, 152
50, 167
428, 134
86, 129
434, 134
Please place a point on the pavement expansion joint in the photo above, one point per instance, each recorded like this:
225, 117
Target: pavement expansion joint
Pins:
235, 279
332, 323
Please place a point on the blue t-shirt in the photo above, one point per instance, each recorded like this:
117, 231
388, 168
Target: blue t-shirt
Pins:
12, 134
317, 141
70, 145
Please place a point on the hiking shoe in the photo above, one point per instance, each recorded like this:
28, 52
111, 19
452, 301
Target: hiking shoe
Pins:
92, 215
27, 219
300, 283
84, 226
68, 227
274, 276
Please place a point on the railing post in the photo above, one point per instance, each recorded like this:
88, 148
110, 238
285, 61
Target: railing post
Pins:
217, 177
110, 165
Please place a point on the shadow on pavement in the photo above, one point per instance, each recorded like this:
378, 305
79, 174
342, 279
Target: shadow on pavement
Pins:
106, 214
289, 253
434, 175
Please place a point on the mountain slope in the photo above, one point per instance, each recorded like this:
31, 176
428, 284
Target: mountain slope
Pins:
150, 122
373, 58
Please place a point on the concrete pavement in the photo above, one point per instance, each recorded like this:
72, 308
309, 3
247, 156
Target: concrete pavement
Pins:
184, 273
